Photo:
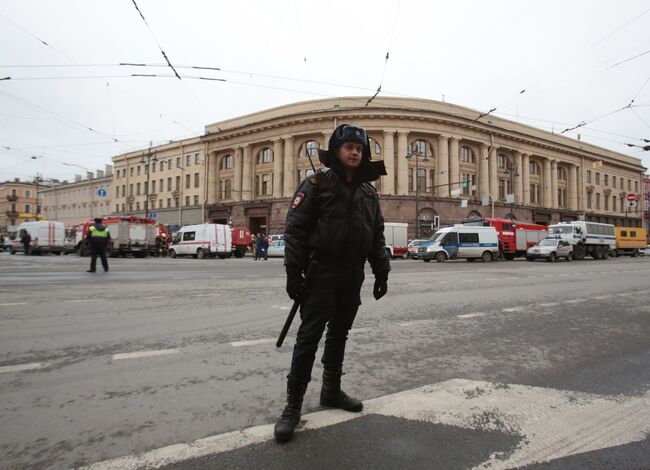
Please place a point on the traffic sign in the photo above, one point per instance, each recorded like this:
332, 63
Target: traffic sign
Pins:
631, 204
153, 215
101, 192
631, 198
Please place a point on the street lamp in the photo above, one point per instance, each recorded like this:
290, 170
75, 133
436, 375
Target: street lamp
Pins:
511, 171
147, 165
417, 154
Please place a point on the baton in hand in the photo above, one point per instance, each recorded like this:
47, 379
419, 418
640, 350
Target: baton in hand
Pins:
287, 323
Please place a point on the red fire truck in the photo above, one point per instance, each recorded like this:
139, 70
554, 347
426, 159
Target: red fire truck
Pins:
514, 237
134, 235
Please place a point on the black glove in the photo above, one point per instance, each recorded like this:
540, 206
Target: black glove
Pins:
295, 284
381, 286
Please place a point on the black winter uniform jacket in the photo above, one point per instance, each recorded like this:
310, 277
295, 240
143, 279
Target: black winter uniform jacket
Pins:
335, 222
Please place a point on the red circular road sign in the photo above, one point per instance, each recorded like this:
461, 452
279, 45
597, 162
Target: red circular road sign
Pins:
631, 197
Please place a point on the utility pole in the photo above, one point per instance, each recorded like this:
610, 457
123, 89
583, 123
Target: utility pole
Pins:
417, 154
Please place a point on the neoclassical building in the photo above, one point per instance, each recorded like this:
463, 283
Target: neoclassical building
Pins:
452, 162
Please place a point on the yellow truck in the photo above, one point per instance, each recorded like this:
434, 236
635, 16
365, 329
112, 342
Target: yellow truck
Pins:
630, 240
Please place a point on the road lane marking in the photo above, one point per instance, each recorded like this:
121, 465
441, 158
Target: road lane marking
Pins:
553, 424
82, 300
471, 315
491, 279
140, 354
520, 308
153, 297
9, 304
252, 342
415, 322
602, 297
22, 367
548, 304
573, 301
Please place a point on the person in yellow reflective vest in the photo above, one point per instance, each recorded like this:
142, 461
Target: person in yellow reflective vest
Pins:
98, 237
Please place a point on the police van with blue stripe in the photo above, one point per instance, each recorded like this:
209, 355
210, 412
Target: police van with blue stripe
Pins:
459, 241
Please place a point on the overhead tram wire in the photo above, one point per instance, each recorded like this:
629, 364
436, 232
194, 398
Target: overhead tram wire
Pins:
76, 64
552, 72
390, 42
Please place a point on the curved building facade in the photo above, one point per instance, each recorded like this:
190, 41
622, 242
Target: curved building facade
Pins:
444, 163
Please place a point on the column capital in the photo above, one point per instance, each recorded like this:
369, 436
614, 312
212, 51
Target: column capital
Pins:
389, 133
444, 136
454, 138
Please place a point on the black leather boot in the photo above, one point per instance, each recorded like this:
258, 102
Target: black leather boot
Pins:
331, 394
290, 417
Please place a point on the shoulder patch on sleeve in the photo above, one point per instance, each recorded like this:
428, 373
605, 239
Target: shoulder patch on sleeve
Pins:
297, 200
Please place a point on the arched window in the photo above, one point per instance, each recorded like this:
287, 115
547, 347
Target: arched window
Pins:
421, 147
264, 156
502, 161
561, 174
226, 163
533, 168
474, 214
466, 155
309, 148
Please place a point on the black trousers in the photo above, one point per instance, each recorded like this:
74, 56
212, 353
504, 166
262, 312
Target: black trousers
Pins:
331, 300
98, 249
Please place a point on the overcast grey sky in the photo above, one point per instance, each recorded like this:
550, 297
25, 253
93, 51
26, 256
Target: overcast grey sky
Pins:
566, 54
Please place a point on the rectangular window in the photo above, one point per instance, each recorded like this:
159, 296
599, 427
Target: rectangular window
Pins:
597, 201
606, 180
169, 185
137, 189
162, 166
137, 205
178, 162
622, 201
614, 203
28, 208
636, 186
146, 187
189, 236
196, 200
169, 202
623, 233
117, 207
123, 207
629, 185
123, 191
614, 181
153, 168
138, 170
606, 202
169, 164
178, 183
153, 204
196, 180
197, 159
266, 185
188, 160
28, 193
468, 237
422, 180
117, 191
228, 189
411, 179
589, 176
160, 185
187, 201
502, 188
153, 186
131, 171
187, 181
160, 203
633, 233
589, 200
131, 189
597, 178
176, 201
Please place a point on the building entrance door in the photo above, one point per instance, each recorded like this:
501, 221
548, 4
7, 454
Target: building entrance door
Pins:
257, 224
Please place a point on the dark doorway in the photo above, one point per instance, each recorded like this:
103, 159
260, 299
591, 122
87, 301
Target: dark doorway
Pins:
220, 221
257, 224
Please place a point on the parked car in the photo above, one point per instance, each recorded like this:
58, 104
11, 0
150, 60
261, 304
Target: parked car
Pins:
276, 237
276, 249
551, 249
456, 242
646, 251
413, 248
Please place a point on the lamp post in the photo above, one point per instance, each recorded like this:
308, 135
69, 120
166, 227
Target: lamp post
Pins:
147, 164
511, 171
417, 154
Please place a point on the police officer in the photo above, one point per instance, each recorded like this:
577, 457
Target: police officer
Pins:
98, 237
333, 225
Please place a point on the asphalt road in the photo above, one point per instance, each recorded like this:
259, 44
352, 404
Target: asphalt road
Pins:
495, 365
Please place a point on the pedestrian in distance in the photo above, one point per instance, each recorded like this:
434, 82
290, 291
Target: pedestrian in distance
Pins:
259, 241
98, 238
26, 240
265, 246
334, 224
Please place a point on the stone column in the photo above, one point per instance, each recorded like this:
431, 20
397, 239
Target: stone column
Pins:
238, 162
546, 184
518, 180
402, 164
278, 162
525, 177
484, 173
494, 178
555, 202
246, 186
326, 139
388, 151
442, 166
289, 183
573, 186
454, 165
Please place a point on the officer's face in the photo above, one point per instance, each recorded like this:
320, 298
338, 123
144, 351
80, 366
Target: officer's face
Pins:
350, 155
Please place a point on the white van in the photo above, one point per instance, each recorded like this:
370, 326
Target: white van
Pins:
461, 241
47, 237
202, 240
